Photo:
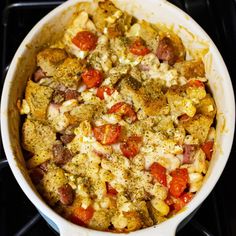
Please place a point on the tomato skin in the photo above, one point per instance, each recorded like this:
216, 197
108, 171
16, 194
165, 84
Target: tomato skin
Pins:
123, 109
207, 147
196, 84
92, 78
179, 182
107, 134
104, 89
159, 173
138, 48
130, 148
81, 216
182, 201
85, 40
110, 190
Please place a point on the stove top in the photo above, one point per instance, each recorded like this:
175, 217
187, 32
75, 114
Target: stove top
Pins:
216, 216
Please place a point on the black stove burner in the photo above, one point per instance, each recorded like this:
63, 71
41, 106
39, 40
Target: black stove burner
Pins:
216, 216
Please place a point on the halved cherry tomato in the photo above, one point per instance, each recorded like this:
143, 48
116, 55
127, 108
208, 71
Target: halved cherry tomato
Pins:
159, 173
182, 201
92, 78
110, 190
123, 109
196, 83
104, 89
81, 216
138, 47
107, 134
85, 40
179, 182
131, 146
207, 147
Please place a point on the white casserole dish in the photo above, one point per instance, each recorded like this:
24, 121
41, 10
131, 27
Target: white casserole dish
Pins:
48, 30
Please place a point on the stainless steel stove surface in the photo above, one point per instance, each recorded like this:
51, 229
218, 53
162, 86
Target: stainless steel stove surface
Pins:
216, 216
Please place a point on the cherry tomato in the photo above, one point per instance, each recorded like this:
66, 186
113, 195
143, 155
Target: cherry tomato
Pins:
123, 109
107, 134
196, 83
182, 201
179, 182
159, 173
104, 89
131, 146
92, 78
138, 47
207, 147
110, 190
85, 40
81, 216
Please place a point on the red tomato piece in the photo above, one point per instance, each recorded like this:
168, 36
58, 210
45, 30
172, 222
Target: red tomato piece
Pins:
131, 146
182, 201
207, 147
138, 47
159, 173
104, 89
110, 190
92, 78
123, 109
107, 134
179, 182
82, 216
85, 40
196, 83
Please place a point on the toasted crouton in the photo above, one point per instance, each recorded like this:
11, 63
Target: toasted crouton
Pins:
37, 137
147, 97
82, 113
198, 126
101, 219
179, 103
38, 98
68, 73
52, 180
110, 17
207, 106
49, 59
190, 69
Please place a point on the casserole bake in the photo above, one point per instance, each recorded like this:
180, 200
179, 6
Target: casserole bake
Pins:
214, 92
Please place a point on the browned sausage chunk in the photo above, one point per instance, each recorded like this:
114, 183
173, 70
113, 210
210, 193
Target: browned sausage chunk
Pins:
61, 154
71, 94
166, 51
58, 97
66, 194
67, 138
38, 75
36, 175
